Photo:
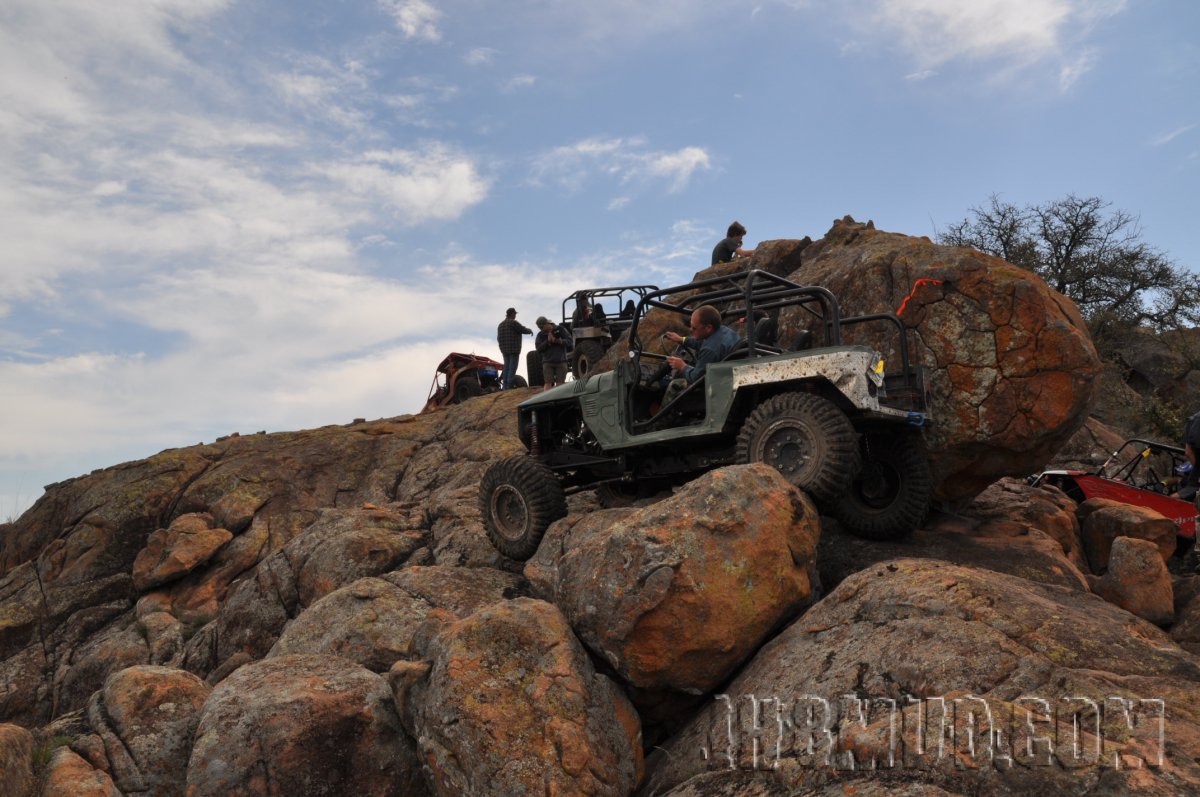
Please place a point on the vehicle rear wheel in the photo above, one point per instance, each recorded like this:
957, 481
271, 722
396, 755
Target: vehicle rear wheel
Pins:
587, 354
807, 439
519, 498
467, 387
533, 367
891, 494
519, 381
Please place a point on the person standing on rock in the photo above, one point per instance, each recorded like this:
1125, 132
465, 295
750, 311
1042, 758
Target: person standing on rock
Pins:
508, 335
553, 343
731, 247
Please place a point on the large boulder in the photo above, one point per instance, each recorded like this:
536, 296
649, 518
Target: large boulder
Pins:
373, 620
16, 761
70, 775
505, 702
1104, 520
971, 681
1137, 580
146, 717
1009, 362
173, 552
1010, 528
341, 547
304, 726
676, 595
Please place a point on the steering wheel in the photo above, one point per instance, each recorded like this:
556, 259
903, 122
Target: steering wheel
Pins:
678, 350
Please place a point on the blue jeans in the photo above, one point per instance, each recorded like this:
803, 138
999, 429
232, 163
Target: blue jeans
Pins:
510, 369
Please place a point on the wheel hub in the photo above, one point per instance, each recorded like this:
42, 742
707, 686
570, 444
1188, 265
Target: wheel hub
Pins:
788, 449
510, 514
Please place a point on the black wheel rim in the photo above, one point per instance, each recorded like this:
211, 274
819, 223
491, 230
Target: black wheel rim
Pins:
510, 513
878, 485
788, 447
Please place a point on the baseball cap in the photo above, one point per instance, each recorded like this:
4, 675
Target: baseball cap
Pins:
542, 320
511, 311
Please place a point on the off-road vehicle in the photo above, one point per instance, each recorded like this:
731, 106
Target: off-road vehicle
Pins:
463, 376
1140, 472
829, 417
593, 327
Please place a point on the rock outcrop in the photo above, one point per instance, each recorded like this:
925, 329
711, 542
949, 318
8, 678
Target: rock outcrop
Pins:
320, 613
989, 661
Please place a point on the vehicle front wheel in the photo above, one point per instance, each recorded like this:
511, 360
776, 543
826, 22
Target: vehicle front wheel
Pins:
519, 498
892, 493
519, 381
807, 439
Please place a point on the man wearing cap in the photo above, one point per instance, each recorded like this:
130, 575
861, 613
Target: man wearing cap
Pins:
553, 343
508, 335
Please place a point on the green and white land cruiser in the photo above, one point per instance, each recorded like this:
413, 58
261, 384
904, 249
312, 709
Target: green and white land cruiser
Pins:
829, 417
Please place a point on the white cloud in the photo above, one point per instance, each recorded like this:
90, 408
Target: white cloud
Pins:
432, 183
1071, 71
54, 56
1010, 33
627, 160
518, 82
1167, 138
678, 167
479, 56
416, 19
924, 74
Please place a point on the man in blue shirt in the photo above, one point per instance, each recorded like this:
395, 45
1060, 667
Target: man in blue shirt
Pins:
710, 341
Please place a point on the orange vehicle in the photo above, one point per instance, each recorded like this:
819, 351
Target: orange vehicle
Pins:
463, 376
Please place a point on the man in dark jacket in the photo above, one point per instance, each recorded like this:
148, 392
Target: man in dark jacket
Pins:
553, 343
508, 335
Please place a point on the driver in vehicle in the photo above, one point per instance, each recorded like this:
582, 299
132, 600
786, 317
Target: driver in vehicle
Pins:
710, 341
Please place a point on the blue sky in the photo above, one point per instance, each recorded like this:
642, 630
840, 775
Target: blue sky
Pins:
243, 215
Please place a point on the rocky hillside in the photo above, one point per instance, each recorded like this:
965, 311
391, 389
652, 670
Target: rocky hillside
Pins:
320, 613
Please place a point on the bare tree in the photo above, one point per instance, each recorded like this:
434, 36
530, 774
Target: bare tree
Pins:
1094, 256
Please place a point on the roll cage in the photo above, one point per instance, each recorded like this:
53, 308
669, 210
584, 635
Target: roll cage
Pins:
618, 317
757, 293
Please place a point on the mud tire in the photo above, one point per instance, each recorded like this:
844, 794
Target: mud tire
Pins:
807, 439
587, 354
519, 498
892, 492
467, 387
533, 368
